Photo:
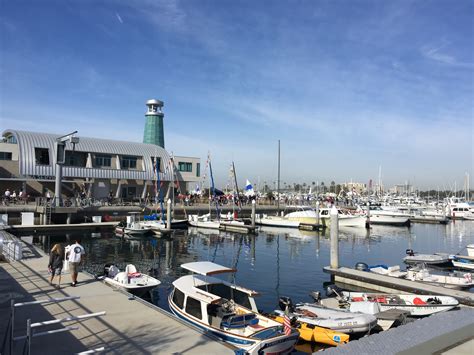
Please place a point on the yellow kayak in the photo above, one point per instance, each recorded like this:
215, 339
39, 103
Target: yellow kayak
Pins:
317, 334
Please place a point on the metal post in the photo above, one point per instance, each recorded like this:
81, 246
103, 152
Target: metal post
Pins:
168, 214
12, 324
334, 238
278, 186
68, 219
253, 213
28, 335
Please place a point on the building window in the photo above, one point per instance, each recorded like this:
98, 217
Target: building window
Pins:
42, 156
193, 307
103, 161
158, 163
186, 167
128, 163
198, 169
5, 156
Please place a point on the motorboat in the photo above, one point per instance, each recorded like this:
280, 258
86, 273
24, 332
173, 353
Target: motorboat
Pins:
132, 226
129, 280
276, 221
448, 281
227, 311
335, 319
462, 261
378, 215
345, 218
458, 208
309, 332
416, 305
203, 221
307, 215
439, 259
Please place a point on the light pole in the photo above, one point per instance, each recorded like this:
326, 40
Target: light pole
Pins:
60, 160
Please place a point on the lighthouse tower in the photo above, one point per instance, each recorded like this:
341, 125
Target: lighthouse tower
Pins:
153, 133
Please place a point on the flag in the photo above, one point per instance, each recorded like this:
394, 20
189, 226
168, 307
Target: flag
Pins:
468, 277
287, 324
249, 189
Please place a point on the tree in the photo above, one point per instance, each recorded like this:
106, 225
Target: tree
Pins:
333, 187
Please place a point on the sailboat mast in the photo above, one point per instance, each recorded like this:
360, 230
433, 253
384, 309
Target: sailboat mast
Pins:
236, 186
278, 180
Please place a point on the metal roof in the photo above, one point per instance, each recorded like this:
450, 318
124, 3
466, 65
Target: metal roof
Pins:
28, 141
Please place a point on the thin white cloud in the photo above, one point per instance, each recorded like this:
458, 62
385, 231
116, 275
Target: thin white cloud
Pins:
119, 18
435, 53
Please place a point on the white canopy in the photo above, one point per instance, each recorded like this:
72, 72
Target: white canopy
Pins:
207, 268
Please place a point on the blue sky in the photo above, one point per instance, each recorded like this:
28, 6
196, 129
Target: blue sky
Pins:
347, 86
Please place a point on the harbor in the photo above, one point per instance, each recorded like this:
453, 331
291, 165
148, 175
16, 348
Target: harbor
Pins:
271, 261
247, 178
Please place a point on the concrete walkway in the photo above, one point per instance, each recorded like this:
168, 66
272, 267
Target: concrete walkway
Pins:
129, 326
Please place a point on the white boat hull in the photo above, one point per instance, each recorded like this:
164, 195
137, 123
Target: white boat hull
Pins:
416, 305
273, 221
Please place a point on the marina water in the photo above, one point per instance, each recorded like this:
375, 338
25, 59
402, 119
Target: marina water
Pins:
277, 262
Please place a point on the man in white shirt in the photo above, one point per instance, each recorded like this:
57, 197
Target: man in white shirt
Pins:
75, 258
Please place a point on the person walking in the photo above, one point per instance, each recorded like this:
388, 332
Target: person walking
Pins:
55, 264
76, 257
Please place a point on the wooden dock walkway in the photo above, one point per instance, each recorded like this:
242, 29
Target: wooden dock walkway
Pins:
389, 284
130, 326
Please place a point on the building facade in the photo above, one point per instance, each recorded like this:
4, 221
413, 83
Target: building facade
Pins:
100, 167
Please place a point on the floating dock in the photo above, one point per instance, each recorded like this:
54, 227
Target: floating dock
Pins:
130, 325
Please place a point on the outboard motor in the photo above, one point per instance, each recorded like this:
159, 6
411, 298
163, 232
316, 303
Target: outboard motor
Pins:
107, 268
410, 252
284, 303
316, 296
361, 267
333, 290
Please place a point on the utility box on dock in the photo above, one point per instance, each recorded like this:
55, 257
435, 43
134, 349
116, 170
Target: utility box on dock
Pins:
27, 218
3, 220
97, 219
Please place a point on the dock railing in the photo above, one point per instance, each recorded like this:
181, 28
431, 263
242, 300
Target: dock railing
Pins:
30, 327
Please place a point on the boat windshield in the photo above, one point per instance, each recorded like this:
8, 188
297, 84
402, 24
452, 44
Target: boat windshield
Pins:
227, 292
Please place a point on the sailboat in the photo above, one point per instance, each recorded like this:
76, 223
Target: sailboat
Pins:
277, 221
206, 220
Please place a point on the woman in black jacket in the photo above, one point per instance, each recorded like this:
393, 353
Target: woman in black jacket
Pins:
55, 265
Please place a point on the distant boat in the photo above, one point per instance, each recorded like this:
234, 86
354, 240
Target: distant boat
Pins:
276, 221
132, 226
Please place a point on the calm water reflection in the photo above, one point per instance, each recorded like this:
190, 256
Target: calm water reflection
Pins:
276, 262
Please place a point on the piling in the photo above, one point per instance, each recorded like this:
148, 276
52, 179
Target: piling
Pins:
317, 212
367, 222
334, 238
253, 214
168, 214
